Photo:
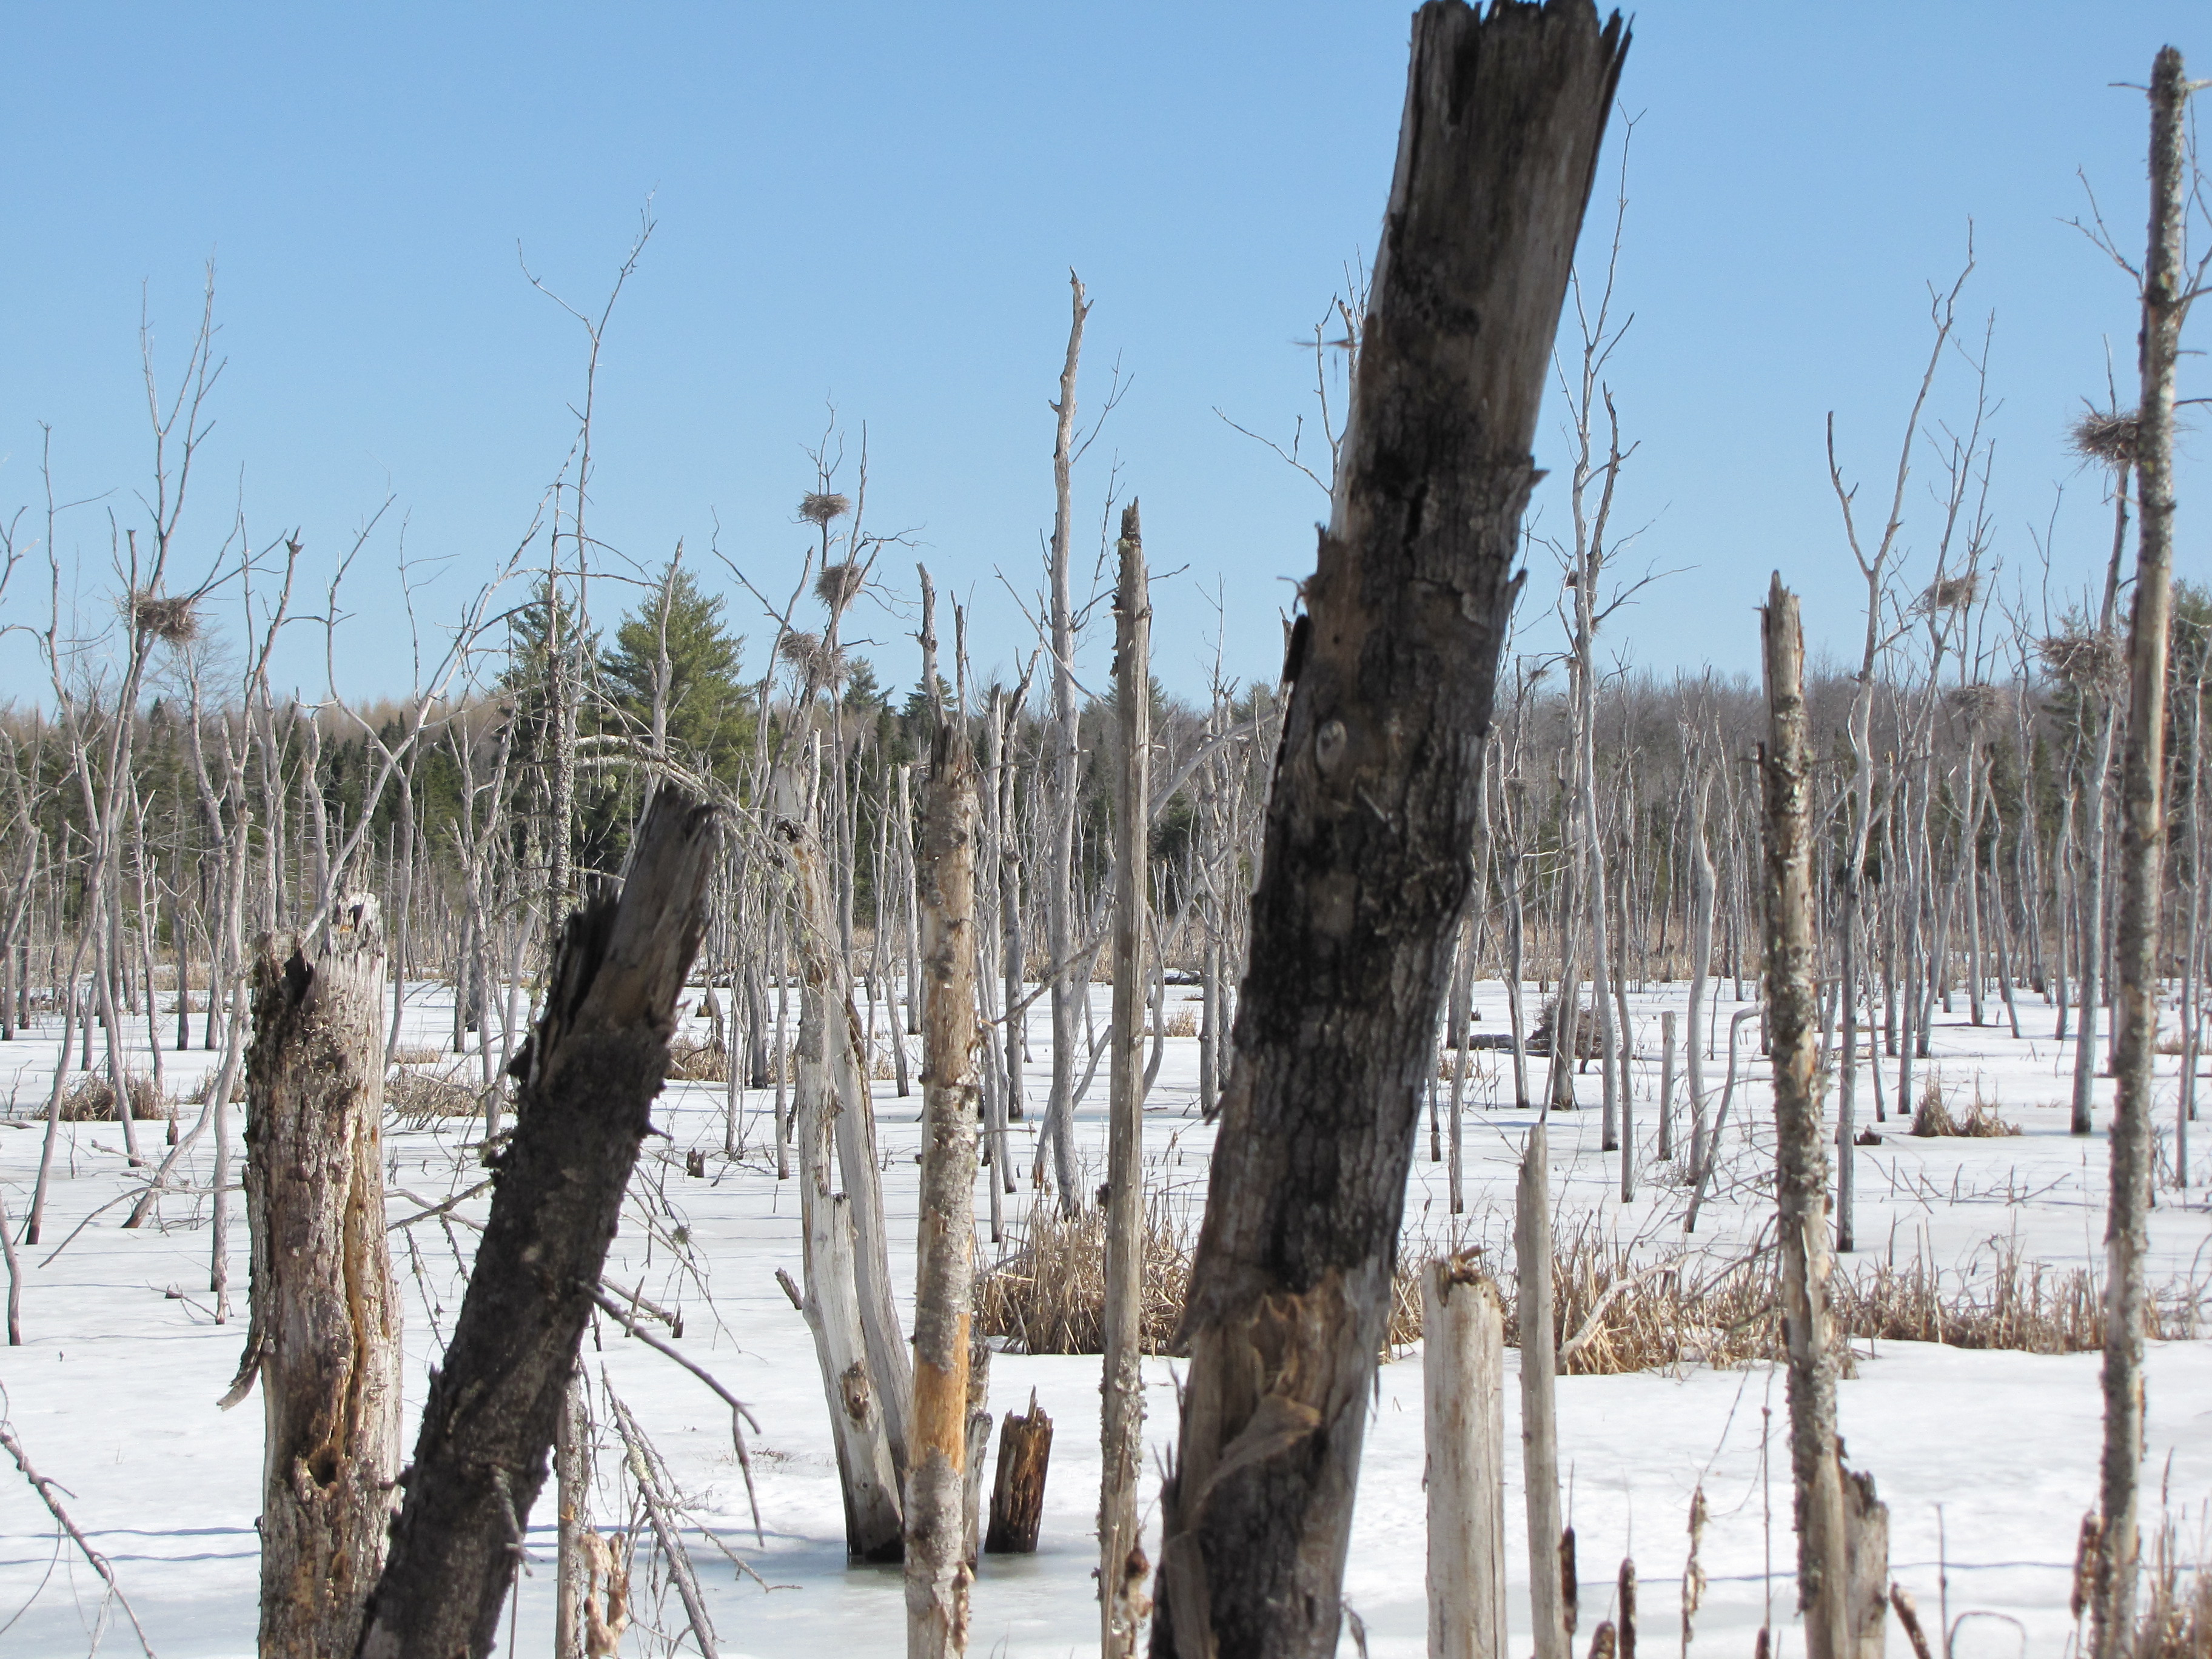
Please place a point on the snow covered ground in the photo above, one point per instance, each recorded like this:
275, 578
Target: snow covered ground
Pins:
1987, 1460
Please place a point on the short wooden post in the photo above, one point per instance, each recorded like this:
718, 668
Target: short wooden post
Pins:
1867, 1519
1017, 1495
1463, 1418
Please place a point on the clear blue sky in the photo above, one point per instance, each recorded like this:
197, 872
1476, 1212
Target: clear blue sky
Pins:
876, 206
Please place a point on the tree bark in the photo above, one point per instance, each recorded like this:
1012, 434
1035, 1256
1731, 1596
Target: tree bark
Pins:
324, 1334
588, 1076
1802, 1173
937, 1571
1122, 1568
1364, 868
2142, 848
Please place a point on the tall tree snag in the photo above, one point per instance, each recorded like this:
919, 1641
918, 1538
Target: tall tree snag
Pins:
1122, 1568
1793, 1001
323, 1333
937, 1571
2165, 297
589, 1075
1366, 859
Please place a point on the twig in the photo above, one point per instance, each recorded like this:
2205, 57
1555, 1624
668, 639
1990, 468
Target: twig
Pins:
46, 1489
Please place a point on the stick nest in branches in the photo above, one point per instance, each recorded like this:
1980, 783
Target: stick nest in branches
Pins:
838, 585
1976, 703
172, 621
2105, 434
819, 507
2085, 659
1951, 593
808, 653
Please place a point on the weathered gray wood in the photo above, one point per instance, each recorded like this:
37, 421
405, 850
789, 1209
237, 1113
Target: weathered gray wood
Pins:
1800, 1147
1867, 1613
1463, 1423
1363, 867
1122, 1568
1540, 1434
323, 1333
589, 1075
866, 1467
937, 1572
2165, 281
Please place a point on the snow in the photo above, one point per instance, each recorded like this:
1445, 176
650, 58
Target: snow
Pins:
1987, 1460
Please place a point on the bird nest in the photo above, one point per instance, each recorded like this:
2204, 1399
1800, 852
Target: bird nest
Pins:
819, 507
1976, 703
2086, 660
1951, 593
811, 655
2106, 435
838, 585
172, 621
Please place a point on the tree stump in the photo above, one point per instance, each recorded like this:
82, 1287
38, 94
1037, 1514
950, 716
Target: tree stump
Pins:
1017, 1495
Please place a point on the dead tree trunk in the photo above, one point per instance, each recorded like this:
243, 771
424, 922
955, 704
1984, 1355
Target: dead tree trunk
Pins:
323, 1335
1364, 870
1122, 1568
1534, 1312
588, 1077
937, 1571
2142, 848
1801, 1174
1463, 1415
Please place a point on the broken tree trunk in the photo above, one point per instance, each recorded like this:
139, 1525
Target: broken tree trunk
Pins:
937, 1571
324, 1334
2143, 849
1364, 868
588, 1076
1801, 1174
1018, 1493
1122, 1568
1463, 1419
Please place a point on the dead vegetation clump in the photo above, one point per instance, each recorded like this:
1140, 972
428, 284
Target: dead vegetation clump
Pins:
205, 1087
2176, 1622
1540, 1040
170, 620
91, 1099
417, 1099
2105, 434
1932, 1118
705, 1060
1049, 1294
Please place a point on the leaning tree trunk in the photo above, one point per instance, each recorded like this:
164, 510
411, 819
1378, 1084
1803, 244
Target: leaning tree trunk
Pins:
2143, 847
1365, 869
1800, 1181
323, 1335
937, 1571
589, 1079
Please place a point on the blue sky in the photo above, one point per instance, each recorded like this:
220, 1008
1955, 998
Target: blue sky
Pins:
875, 207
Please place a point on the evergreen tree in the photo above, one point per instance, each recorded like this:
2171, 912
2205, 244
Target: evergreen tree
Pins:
709, 720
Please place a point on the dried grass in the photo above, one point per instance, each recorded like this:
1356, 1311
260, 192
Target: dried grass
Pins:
2176, 1621
92, 1100
205, 1087
420, 1098
417, 1056
1932, 1118
703, 1061
1049, 1294
1586, 1039
1183, 1023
